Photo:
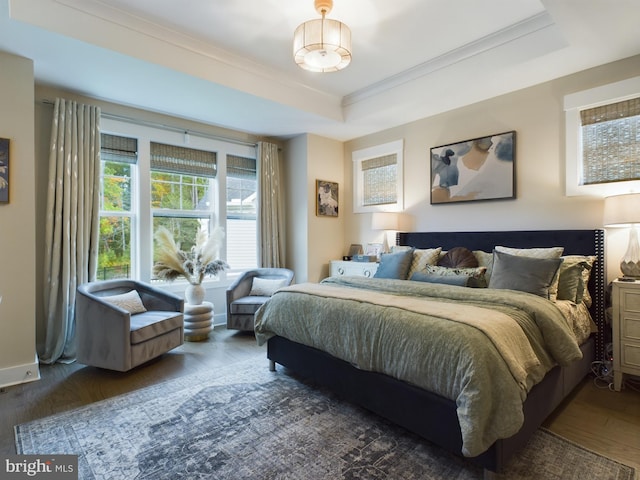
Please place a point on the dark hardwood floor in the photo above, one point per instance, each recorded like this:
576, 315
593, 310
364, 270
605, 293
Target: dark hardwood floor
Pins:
599, 419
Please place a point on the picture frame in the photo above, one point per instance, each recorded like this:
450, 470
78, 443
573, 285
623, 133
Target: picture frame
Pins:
355, 249
478, 169
374, 249
327, 200
4, 170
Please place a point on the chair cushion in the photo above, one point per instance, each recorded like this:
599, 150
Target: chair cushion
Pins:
150, 324
130, 301
247, 305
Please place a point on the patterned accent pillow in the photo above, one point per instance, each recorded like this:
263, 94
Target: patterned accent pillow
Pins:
475, 275
485, 259
130, 301
422, 258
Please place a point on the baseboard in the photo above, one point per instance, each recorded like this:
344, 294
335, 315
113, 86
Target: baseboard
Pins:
29, 372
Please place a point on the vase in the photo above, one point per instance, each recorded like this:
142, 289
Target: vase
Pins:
194, 294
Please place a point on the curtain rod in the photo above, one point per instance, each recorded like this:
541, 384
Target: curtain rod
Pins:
146, 123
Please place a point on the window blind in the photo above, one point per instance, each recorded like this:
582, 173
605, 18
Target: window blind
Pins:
181, 160
241, 167
611, 142
114, 148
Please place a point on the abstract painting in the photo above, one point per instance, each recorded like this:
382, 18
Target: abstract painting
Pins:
4, 170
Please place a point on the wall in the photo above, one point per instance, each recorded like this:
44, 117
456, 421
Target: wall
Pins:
313, 241
537, 116
18, 361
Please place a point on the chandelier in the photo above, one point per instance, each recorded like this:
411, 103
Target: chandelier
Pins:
322, 45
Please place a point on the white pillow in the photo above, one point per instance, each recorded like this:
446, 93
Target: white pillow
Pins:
130, 301
265, 287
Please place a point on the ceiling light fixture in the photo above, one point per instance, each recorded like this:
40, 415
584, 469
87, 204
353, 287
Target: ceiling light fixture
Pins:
322, 45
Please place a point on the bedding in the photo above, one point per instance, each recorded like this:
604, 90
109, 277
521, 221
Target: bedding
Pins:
446, 339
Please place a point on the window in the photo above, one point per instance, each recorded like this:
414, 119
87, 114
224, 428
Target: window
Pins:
242, 197
118, 159
603, 139
185, 183
377, 174
182, 191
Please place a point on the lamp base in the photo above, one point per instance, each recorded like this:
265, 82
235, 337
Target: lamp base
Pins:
630, 269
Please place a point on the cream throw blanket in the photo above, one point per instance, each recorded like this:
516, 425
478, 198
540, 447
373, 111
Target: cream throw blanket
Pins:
504, 332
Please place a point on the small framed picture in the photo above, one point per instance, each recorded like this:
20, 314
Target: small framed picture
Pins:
374, 249
355, 249
326, 198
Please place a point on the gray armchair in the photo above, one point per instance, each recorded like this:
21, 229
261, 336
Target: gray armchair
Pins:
245, 297
114, 331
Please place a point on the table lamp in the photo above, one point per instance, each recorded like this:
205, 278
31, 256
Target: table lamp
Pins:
624, 211
385, 221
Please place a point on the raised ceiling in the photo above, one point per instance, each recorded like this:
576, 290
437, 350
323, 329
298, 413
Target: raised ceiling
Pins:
229, 63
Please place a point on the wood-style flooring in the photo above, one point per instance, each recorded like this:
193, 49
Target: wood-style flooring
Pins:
599, 419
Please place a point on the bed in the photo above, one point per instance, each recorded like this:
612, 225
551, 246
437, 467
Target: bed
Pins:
421, 406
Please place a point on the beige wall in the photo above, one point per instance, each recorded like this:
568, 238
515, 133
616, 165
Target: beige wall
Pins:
18, 362
537, 116
313, 241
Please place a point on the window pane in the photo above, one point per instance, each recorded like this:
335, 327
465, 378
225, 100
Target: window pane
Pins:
179, 192
380, 185
116, 187
114, 250
242, 189
241, 244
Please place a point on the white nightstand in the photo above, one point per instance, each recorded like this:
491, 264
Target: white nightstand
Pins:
626, 330
339, 268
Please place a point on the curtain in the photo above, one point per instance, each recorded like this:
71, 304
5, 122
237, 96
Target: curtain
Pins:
271, 224
72, 226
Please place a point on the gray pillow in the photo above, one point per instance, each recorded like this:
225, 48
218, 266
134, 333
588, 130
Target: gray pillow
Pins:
460, 281
527, 274
394, 265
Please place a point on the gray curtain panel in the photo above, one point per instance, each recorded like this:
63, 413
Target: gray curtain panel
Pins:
72, 222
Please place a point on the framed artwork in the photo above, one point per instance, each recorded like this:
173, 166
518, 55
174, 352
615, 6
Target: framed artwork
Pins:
4, 170
355, 249
477, 169
326, 198
374, 249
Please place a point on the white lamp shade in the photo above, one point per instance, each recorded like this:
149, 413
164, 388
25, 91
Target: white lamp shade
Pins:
384, 221
322, 45
622, 210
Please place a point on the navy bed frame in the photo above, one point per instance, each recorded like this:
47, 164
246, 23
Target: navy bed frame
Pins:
432, 416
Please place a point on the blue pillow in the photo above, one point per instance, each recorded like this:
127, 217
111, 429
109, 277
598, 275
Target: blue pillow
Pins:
394, 265
460, 280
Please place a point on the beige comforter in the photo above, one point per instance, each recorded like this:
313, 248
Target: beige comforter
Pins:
442, 338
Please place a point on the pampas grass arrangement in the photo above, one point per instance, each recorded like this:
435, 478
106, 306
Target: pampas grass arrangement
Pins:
194, 265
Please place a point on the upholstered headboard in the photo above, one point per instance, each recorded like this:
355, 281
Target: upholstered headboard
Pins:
575, 242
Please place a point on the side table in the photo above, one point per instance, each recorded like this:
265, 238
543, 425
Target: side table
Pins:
198, 321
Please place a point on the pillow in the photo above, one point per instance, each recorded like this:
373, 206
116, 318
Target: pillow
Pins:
394, 265
422, 258
458, 257
485, 259
545, 252
475, 276
573, 265
130, 301
526, 274
460, 280
265, 287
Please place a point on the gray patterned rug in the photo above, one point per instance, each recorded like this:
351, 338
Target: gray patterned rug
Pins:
248, 423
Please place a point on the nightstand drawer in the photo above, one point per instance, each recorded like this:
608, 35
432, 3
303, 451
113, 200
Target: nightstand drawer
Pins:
630, 301
631, 355
630, 328
363, 269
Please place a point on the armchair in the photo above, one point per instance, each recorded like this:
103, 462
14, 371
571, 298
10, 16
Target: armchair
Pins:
245, 296
121, 324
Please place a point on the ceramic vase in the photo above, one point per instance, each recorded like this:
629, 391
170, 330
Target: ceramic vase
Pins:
194, 294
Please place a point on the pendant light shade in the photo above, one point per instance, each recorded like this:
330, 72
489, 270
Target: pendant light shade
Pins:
322, 45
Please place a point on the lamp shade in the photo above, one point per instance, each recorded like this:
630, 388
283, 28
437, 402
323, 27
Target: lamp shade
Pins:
384, 221
622, 210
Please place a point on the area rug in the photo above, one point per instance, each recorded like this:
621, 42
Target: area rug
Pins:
245, 422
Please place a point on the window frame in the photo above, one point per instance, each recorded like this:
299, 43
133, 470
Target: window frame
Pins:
145, 134
358, 157
573, 104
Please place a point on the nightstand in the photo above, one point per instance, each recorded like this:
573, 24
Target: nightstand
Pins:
626, 330
363, 269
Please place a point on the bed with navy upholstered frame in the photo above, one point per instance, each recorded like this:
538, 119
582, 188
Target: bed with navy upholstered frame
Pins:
434, 417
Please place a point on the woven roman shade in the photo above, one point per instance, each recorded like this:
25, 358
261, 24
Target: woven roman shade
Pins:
114, 148
379, 184
181, 160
